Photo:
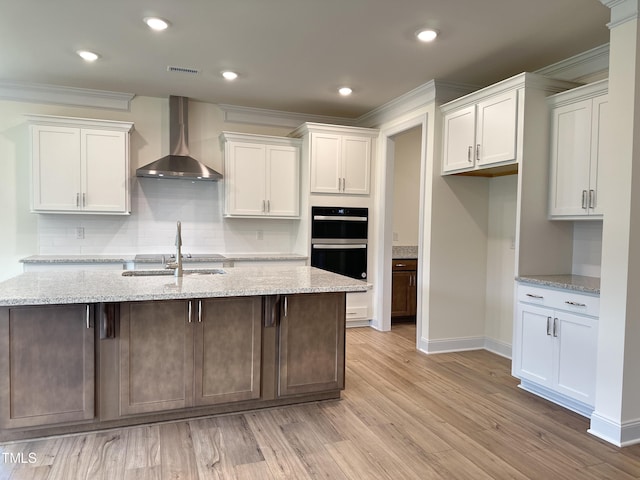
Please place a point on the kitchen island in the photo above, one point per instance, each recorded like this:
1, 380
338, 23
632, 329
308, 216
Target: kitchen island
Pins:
86, 350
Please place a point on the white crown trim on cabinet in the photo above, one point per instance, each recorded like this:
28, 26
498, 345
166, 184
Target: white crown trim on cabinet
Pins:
580, 66
276, 118
81, 97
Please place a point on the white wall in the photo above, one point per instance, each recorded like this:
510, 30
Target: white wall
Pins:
406, 187
500, 263
587, 248
156, 203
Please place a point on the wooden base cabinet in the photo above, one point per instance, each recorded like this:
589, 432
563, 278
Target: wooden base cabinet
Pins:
311, 343
555, 346
403, 288
47, 373
182, 353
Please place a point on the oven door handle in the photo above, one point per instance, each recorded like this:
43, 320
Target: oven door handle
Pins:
341, 246
345, 219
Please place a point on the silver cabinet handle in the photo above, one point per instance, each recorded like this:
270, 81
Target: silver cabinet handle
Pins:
555, 327
268, 205
78, 200
199, 311
263, 206
189, 311
84, 199
469, 153
478, 152
548, 325
592, 199
401, 265
584, 199
575, 304
286, 306
88, 315
534, 296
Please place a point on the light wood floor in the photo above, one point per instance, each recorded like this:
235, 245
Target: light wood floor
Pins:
403, 415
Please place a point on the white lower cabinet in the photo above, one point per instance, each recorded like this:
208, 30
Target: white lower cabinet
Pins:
555, 345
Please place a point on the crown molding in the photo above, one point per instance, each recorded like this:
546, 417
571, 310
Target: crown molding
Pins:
276, 118
579, 66
80, 97
418, 97
621, 11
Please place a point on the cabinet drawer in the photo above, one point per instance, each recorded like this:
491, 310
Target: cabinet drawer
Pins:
402, 264
567, 300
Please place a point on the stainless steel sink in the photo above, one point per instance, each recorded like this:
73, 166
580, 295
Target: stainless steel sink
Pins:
169, 272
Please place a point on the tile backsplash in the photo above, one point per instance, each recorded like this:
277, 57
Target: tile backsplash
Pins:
156, 205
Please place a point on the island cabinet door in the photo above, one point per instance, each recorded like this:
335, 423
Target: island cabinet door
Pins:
311, 343
156, 356
47, 373
228, 346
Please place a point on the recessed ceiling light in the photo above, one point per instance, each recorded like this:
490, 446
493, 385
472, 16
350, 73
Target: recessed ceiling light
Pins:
156, 23
87, 55
345, 91
229, 75
427, 35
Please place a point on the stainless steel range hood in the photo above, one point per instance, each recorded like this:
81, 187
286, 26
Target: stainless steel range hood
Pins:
179, 164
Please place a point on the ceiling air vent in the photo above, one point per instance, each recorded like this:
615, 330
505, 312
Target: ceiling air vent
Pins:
192, 71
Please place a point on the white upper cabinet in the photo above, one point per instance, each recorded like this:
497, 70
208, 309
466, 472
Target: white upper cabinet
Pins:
577, 148
79, 165
261, 176
481, 135
483, 132
339, 157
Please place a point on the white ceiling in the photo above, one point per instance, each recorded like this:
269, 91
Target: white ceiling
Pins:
291, 55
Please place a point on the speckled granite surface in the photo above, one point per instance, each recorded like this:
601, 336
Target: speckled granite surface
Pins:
568, 282
78, 259
42, 288
239, 257
404, 252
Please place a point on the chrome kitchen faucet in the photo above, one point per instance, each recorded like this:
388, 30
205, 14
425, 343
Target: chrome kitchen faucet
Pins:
177, 265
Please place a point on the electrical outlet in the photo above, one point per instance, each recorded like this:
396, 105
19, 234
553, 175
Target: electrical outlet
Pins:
395, 236
260, 235
80, 233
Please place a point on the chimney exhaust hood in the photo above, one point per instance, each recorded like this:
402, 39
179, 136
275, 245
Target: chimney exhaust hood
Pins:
179, 164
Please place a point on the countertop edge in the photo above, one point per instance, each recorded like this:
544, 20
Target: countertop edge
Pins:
575, 283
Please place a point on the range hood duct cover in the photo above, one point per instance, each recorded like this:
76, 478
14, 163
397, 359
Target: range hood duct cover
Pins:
179, 164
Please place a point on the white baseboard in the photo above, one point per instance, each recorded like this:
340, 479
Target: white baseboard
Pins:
619, 434
499, 348
463, 344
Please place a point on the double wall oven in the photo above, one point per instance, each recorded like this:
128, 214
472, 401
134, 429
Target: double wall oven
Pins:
339, 240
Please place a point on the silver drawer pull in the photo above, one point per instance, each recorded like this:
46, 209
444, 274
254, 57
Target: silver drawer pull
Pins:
401, 265
575, 304
534, 296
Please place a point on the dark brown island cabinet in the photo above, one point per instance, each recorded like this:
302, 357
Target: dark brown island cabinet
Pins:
404, 289
81, 367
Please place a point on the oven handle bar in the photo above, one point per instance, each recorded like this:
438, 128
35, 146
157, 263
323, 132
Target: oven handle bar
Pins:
337, 217
341, 246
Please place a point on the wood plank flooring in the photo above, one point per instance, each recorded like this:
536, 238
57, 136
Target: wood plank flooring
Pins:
403, 415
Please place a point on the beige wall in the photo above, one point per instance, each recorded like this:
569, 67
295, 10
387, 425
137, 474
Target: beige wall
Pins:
406, 187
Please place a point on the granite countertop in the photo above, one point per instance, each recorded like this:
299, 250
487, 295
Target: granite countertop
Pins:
72, 259
78, 259
405, 252
577, 283
57, 287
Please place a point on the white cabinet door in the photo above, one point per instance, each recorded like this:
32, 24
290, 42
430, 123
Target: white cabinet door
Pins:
577, 346
79, 165
282, 188
356, 158
599, 150
496, 128
570, 158
459, 139
245, 173
262, 175
104, 172
55, 157
326, 169
534, 345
